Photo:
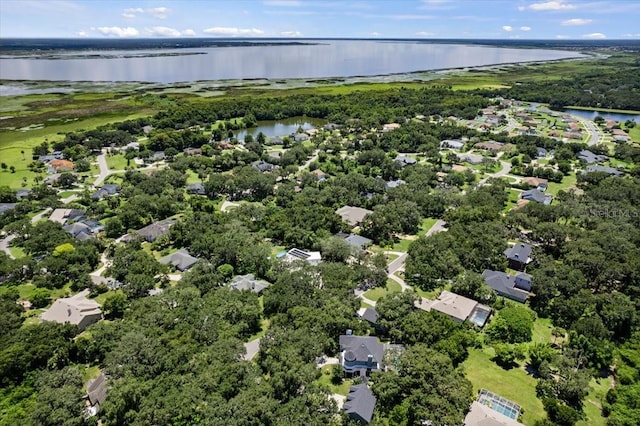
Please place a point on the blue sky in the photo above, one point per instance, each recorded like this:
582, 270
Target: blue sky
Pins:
493, 19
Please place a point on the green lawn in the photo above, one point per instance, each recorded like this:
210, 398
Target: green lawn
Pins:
364, 304
426, 225
393, 287
567, 182
512, 201
391, 257
325, 380
26, 291
192, 177
17, 252
635, 133
402, 245
117, 162
593, 402
515, 384
542, 330
376, 293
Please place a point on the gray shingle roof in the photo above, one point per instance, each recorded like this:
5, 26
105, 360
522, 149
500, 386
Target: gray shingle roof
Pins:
536, 195
604, 169
181, 260
519, 252
589, 157
371, 315
358, 348
5, 207
156, 229
505, 284
352, 215
360, 403
97, 390
248, 282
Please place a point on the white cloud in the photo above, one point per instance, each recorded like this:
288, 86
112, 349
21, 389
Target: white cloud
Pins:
118, 31
158, 12
131, 12
188, 33
424, 34
576, 21
525, 28
548, 5
377, 34
82, 34
632, 35
507, 28
162, 32
234, 32
291, 34
562, 37
594, 36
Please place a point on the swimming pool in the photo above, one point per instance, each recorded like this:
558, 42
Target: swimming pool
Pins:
499, 404
479, 315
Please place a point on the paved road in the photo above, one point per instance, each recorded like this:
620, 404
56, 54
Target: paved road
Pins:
309, 161
439, 226
595, 135
397, 263
104, 168
506, 168
4, 245
252, 348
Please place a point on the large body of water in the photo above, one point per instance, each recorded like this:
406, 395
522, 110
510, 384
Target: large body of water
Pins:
328, 58
281, 127
591, 114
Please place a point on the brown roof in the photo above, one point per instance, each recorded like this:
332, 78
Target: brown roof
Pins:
534, 181
61, 164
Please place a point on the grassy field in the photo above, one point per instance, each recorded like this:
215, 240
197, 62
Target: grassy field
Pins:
593, 402
542, 330
378, 293
567, 182
515, 384
117, 162
512, 201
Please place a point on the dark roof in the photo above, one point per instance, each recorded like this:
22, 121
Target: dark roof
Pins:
79, 230
358, 241
535, 195
358, 348
156, 229
5, 207
519, 252
23, 193
405, 161
360, 403
604, 169
97, 390
505, 284
394, 183
262, 166
371, 315
196, 188
181, 260
589, 157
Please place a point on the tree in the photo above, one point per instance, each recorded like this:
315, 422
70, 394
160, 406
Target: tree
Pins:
67, 180
40, 298
514, 324
3, 166
335, 249
12, 169
508, 355
59, 399
114, 305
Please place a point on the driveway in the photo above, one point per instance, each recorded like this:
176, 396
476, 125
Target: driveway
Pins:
104, 168
439, 226
252, 349
4, 245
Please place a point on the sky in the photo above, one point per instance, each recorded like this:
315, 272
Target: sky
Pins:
466, 19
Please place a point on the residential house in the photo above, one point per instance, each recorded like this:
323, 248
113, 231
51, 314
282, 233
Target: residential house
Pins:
491, 146
156, 156
537, 196
5, 207
181, 260
355, 240
319, 174
452, 144
483, 415
389, 127
514, 287
192, 151
394, 183
62, 216
360, 355
96, 395
196, 189
541, 153
603, 169
155, 230
589, 157
59, 166
352, 215
534, 182
369, 314
53, 179
490, 409
404, 161
300, 137
249, 283
76, 310
311, 257
470, 158
262, 166
108, 189
518, 256
456, 307
360, 403
79, 231
620, 135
